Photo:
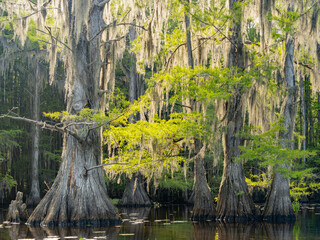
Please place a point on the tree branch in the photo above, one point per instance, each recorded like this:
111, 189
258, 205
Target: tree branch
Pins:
117, 24
49, 34
42, 124
315, 3
102, 165
171, 56
103, 3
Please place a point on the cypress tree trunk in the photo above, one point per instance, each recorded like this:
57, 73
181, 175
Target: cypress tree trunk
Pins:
234, 203
203, 208
134, 193
34, 196
78, 197
278, 206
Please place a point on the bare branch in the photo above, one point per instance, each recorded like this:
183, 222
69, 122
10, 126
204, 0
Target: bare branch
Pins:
113, 40
315, 3
102, 165
103, 3
118, 24
54, 38
41, 124
171, 56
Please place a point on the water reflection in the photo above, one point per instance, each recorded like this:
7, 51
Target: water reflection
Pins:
21, 231
173, 222
134, 220
279, 231
205, 231
241, 231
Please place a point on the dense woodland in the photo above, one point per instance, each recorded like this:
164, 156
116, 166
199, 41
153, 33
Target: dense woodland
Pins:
212, 103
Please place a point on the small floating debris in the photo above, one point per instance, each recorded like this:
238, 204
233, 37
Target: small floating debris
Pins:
99, 232
53, 236
71, 237
126, 234
125, 220
26, 239
137, 222
133, 214
50, 238
100, 237
6, 223
1, 226
162, 220
167, 224
179, 221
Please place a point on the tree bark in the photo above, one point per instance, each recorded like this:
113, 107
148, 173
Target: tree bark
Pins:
234, 202
134, 193
303, 109
34, 195
203, 208
278, 206
76, 198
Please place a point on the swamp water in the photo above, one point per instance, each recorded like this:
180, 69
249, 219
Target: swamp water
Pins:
173, 222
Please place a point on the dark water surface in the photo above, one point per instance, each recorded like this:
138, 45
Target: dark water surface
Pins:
173, 222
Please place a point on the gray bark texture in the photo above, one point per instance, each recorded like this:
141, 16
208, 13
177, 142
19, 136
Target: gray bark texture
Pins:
134, 193
203, 208
278, 207
17, 210
77, 198
234, 202
34, 196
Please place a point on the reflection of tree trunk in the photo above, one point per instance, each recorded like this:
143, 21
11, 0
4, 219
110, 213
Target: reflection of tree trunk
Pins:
234, 202
205, 230
203, 208
234, 231
134, 224
278, 205
134, 193
34, 196
279, 231
76, 198
77, 233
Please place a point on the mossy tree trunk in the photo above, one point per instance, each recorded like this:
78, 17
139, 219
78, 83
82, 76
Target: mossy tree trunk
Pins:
278, 206
203, 208
78, 197
234, 202
34, 196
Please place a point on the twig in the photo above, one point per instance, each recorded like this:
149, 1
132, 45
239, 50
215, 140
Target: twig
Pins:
302, 14
118, 24
171, 56
54, 38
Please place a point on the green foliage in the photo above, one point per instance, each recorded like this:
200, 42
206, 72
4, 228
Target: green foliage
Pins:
269, 150
176, 181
